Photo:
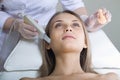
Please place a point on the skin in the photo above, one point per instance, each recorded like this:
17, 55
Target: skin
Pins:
64, 31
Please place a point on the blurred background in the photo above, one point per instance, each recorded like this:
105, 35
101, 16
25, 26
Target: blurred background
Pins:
112, 29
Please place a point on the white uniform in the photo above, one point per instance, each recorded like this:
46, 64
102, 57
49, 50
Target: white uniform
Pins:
41, 10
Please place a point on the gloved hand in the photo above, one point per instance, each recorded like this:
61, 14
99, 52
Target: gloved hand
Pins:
26, 31
99, 19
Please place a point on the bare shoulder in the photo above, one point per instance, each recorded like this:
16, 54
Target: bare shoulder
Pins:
113, 76
110, 76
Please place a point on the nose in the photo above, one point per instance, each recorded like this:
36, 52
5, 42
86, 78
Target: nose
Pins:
68, 29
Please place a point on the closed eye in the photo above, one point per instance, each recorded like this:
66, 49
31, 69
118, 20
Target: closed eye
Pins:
58, 25
75, 25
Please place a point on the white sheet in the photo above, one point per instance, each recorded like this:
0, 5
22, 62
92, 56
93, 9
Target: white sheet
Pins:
104, 53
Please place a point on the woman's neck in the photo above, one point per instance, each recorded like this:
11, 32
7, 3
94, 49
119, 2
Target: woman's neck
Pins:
67, 64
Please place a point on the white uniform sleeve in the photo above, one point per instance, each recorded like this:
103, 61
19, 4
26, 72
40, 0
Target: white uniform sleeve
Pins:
3, 18
72, 4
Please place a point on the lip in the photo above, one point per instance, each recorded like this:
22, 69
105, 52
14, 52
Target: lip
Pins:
68, 36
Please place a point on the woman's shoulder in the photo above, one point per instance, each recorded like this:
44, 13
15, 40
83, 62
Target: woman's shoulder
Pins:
109, 76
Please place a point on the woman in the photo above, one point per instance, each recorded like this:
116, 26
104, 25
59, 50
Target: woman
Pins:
40, 10
67, 57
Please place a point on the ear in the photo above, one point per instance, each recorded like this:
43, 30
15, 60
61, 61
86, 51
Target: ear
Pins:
47, 46
84, 46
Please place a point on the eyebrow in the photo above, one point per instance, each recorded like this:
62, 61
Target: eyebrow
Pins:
58, 21
62, 21
75, 20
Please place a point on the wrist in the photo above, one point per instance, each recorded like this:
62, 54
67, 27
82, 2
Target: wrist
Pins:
90, 23
16, 24
8, 23
84, 17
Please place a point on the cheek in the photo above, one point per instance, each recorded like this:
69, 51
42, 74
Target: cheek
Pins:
81, 38
55, 42
55, 37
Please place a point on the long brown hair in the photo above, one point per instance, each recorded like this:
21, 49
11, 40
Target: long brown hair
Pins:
48, 56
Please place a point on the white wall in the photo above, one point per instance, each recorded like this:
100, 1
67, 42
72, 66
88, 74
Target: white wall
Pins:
112, 29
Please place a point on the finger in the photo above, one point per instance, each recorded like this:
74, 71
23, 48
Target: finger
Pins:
104, 10
31, 33
29, 27
108, 16
27, 36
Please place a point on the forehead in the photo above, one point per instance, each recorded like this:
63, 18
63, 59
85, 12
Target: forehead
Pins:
65, 16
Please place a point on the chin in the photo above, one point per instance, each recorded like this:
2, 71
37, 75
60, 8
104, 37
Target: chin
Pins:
72, 47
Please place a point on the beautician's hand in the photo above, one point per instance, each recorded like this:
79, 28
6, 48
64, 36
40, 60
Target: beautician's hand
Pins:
98, 20
27, 31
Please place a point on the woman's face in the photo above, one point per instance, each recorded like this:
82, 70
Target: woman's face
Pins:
66, 34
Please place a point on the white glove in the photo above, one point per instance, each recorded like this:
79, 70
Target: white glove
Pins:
98, 20
26, 31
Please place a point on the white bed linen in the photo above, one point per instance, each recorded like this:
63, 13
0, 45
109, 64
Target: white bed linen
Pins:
104, 53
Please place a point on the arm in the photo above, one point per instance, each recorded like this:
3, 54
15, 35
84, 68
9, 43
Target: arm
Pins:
8, 23
91, 22
27, 31
4, 16
81, 11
